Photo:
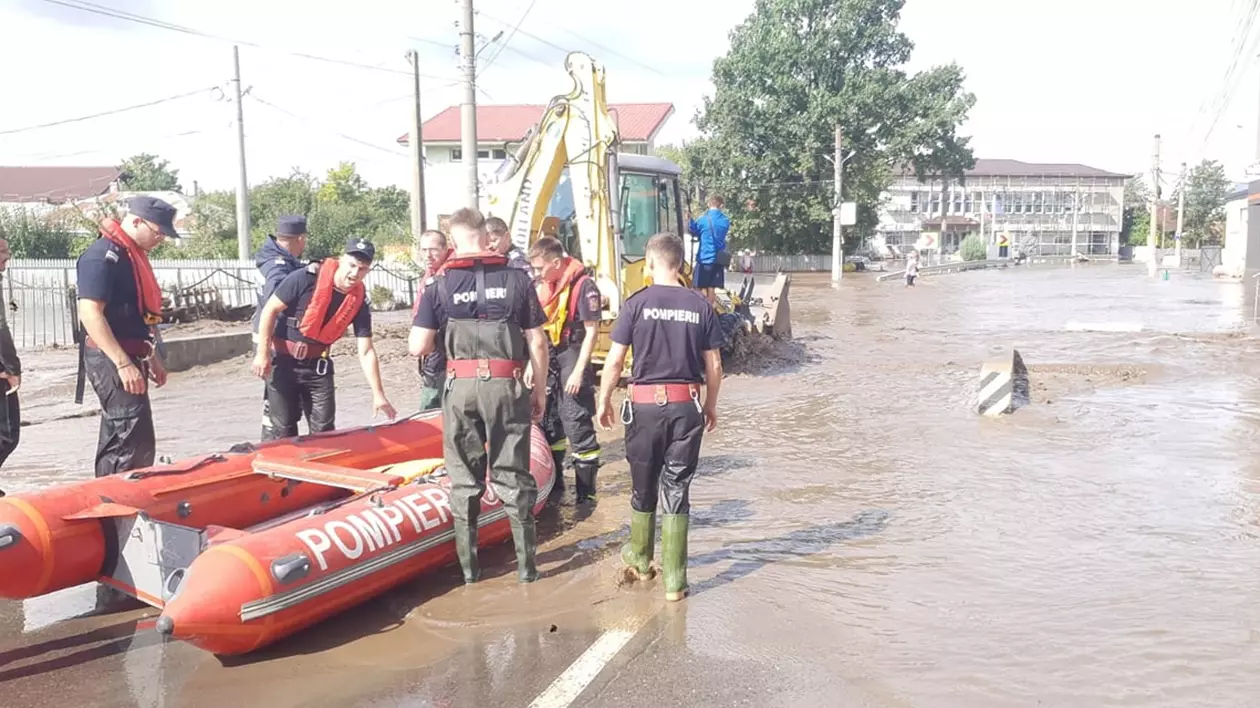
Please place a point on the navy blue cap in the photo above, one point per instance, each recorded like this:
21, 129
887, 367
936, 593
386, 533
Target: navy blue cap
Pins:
155, 211
291, 225
361, 247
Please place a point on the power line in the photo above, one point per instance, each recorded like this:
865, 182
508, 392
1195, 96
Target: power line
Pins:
84, 6
508, 40
1231, 78
352, 139
588, 40
11, 131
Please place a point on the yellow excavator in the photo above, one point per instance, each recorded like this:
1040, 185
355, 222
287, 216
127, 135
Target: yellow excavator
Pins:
567, 180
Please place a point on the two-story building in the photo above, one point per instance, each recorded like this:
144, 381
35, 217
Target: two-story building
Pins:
1047, 209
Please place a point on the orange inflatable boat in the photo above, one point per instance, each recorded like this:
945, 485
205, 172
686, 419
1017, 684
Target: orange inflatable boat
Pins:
248, 589
243, 547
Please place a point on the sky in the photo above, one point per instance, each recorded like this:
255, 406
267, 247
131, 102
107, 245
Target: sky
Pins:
1081, 81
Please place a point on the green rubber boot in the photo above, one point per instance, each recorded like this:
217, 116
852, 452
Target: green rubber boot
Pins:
674, 555
637, 553
466, 550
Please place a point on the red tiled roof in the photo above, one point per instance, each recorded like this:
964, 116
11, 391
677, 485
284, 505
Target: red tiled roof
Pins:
637, 122
54, 185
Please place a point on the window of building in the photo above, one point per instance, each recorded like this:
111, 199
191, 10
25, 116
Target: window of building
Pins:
915, 206
936, 204
957, 206
457, 154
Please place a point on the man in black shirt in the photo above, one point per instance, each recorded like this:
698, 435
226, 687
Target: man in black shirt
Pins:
120, 306
573, 304
491, 324
308, 312
676, 339
429, 253
10, 378
279, 255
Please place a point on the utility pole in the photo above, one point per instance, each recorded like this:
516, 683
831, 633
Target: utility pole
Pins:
1181, 211
1151, 239
837, 228
417, 154
1076, 212
468, 110
242, 185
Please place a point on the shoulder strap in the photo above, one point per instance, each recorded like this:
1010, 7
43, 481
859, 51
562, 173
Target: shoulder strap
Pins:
479, 272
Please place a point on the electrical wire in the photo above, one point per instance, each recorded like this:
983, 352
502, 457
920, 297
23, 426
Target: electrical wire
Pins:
102, 114
1232, 77
84, 6
508, 40
588, 40
338, 133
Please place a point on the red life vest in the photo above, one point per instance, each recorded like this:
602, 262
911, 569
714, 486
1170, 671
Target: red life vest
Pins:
415, 306
559, 299
313, 326
148, 293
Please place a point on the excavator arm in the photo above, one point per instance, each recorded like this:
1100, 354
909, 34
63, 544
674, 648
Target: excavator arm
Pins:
577, 131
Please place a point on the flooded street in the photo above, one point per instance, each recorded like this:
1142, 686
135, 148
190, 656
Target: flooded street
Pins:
860, 536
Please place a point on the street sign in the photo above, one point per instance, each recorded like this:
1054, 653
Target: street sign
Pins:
1003, 240
848, 213
926, 242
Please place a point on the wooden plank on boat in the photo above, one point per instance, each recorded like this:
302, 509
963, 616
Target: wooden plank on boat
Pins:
328, 475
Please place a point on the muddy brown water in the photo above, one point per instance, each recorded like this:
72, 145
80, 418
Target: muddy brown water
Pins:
860, 535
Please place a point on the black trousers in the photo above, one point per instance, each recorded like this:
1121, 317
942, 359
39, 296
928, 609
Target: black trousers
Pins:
663, 447
299, 388
571, 416
10, 422
126, 440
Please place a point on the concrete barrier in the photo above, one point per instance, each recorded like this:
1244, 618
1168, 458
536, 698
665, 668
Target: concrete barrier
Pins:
1003, 385
183, 353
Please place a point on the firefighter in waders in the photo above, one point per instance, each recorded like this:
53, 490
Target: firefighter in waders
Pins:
675, 337
120, 305
490, 322
308, 312
279, 255
430, 252
572, 303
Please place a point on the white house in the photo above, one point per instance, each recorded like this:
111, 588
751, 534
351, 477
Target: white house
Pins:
1234, 255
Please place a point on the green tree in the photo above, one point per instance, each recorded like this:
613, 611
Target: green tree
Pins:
1206, 190
149, 173
343, 185
1137, 211
794, 71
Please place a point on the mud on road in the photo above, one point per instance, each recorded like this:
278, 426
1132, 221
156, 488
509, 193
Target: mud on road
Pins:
860, 536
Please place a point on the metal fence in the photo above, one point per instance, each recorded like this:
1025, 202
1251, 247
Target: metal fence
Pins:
40, 300
1204, 260
41, 308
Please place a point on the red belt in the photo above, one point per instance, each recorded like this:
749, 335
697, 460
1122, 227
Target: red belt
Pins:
298, 350
139, 348
483, 368
661, 394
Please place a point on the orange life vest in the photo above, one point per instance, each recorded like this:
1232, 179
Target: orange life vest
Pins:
148, 293
468, 260
313, 326
557, 298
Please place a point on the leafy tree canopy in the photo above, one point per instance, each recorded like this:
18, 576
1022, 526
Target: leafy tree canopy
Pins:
149, 173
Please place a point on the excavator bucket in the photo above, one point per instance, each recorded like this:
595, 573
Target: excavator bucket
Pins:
771, 312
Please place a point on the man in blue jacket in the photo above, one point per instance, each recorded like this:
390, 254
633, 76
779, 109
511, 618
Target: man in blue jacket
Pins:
280, 255
711, 257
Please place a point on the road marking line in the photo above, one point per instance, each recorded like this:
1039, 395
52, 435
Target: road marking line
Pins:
573, 680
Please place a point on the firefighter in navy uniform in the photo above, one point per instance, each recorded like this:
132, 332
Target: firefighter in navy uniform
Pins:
572, 303
120, 305
279, 255
491, 323
308, 312
675, 338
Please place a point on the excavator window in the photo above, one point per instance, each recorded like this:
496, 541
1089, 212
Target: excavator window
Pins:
640, 212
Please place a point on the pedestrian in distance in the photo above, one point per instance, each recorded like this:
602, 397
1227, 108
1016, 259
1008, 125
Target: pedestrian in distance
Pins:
430, 253
119, 308
488, 317
912, 268
501, 242
676, 341
712, 258
10, 378
573, 306
308, 312
280, 254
